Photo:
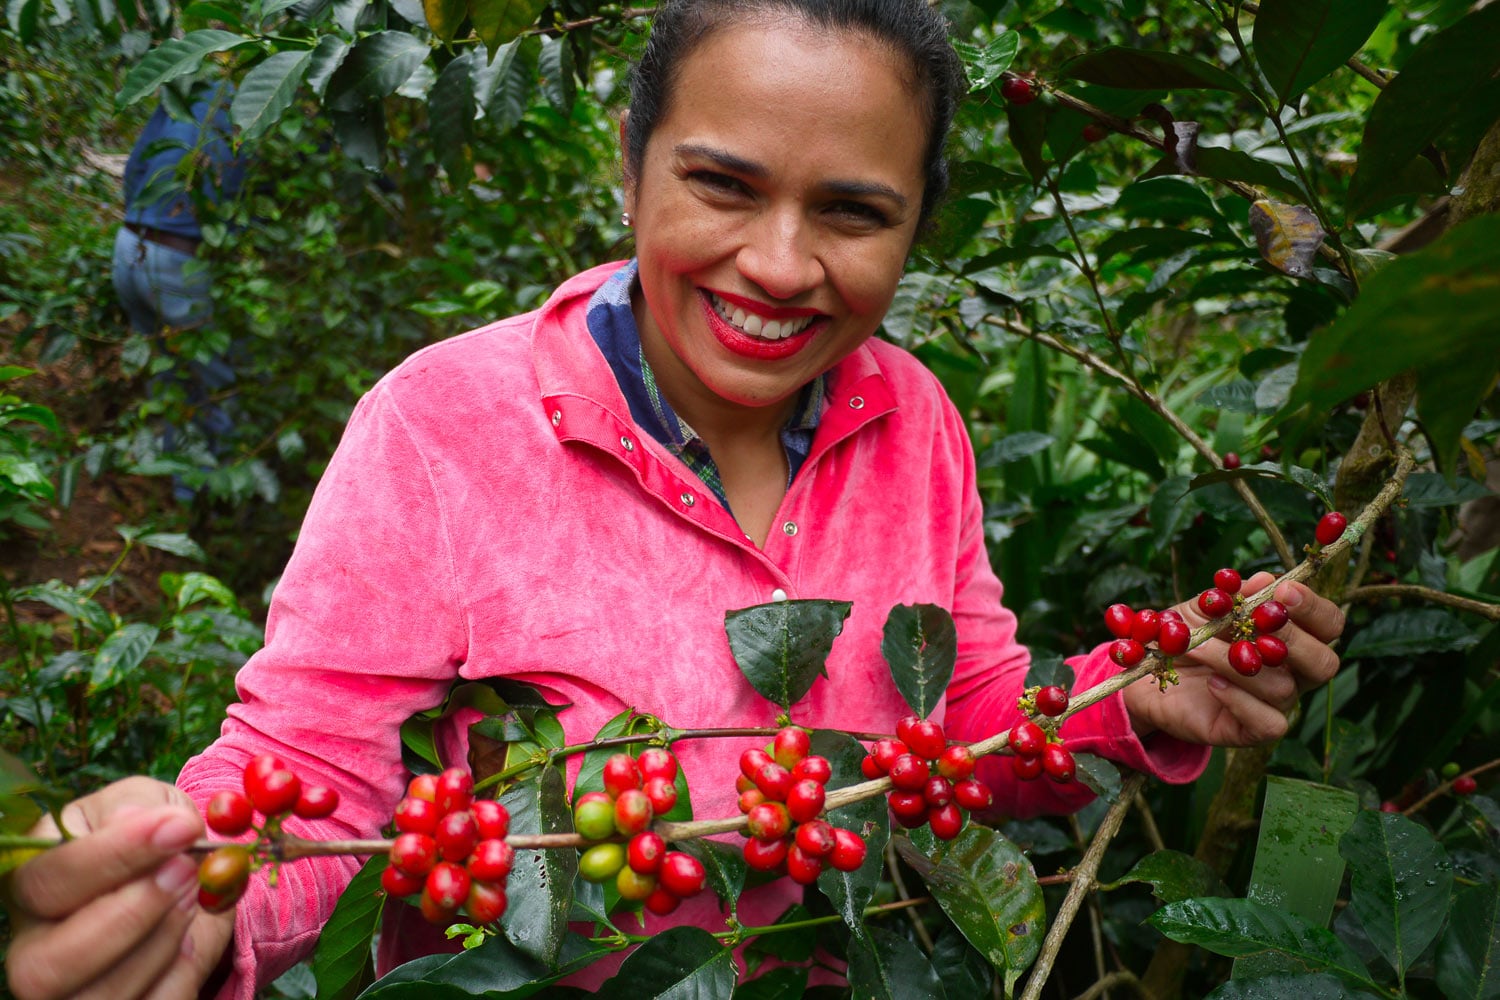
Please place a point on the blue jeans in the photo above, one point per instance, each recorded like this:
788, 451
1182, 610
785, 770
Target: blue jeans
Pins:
163, 288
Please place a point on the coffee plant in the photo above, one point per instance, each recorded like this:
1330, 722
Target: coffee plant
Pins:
1216, 292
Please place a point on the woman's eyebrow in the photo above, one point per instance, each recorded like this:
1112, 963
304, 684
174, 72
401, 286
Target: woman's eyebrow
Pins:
750, 168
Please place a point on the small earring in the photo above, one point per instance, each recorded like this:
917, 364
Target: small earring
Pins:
625, 218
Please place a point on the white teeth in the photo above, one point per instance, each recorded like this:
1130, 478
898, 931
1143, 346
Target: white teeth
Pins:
755, 326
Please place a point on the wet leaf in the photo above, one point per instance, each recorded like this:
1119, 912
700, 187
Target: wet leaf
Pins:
987, 888
496, 970
1099, 775
1411, 631
1298, 42
1468, 956
920, 645
541, 885
783, 647
680, 962
1401, 880
1288, 236
1174, 876
984, 64
343, 962
886, 966
851, 892
1314, 986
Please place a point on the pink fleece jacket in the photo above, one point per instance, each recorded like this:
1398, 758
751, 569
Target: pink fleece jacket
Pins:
493, 511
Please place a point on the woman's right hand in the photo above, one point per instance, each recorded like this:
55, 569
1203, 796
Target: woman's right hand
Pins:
114, 912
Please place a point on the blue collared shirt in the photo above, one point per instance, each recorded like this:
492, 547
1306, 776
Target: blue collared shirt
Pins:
612, 325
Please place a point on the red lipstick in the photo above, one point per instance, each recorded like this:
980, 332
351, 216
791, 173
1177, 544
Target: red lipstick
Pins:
738, 342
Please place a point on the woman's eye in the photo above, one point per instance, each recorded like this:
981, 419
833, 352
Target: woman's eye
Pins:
858, 211
716, 182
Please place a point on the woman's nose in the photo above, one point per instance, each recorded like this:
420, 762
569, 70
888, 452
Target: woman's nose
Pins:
779, 255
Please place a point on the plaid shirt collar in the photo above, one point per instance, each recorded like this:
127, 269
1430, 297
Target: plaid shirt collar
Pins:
612, 325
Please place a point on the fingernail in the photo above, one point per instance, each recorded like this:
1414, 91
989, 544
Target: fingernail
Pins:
188, 903
176, 875
188, 947
1291, 596
1217, 683
174, 833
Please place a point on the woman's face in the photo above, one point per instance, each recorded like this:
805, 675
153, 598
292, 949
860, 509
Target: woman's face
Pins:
774, 209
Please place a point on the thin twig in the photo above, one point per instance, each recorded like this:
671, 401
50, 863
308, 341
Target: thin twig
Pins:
1376, 592
1202, 447
1083, 883
1446, 786
1122, 978
1148, 820
893, 866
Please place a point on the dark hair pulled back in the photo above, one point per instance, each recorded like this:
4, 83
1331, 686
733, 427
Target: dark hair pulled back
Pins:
910, 28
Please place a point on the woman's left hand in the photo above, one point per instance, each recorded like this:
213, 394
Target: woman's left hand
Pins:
1214, 704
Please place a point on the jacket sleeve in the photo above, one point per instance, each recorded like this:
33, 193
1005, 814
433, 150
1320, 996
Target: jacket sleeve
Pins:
366, 627
991, 673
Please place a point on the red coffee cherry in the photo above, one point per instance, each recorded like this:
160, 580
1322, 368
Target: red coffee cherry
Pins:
274, 793
1227, 580
791, 745
224, 871
645, 851
1119, 619
805, 800
621, 774
749, 800
1127, 652
1269, 617
1027, 739
926, 739
433, 911
775, 781
813, 768
1027, 768
416, 816
594, 816
946, 821
262, 765
1231, 460
752, 760
455, 791
1051, 701
486, 903
801, 867
414, 853
634, 885
662, 793
769, 821
316, 802
848, 851
909, 808
632, 811
397, 883
1147, 625
1093, 132
1273, 651
1389, 807
957, 762
661, 902
656, 762
601, 862
1245, 658
457, 833
492, 861
938, 791
766, 855
448, 885
909, 773
492, 818
816, 839
870, 768
214, 902
1215, 603
1465, 784
973, 794
886, 752
229, 812
682, 875
1330, 528
1057, 762
424, 787
1174, 638
1017, 90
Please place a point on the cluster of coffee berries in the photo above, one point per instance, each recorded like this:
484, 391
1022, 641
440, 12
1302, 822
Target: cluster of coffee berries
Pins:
1036, 754
636, 790
933, 782
273, 790
1133, 630
1254, 646
450, 847
781, 795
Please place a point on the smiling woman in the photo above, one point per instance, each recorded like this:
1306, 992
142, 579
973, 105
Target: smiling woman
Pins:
574, 499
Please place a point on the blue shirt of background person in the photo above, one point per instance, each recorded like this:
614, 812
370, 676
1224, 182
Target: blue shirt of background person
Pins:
155, 197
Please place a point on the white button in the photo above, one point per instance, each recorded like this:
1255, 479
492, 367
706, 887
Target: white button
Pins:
856, 402
789, 528
556, 417
778, 594
626, 443
688, 499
